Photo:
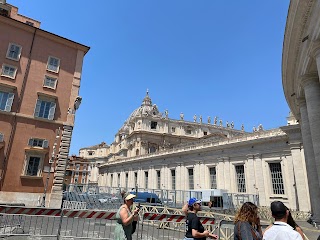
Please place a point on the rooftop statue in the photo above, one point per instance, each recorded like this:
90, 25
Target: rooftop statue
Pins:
181, 116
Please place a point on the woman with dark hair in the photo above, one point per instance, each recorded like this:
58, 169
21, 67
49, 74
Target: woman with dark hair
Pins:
194, 228
125, 217
247, 223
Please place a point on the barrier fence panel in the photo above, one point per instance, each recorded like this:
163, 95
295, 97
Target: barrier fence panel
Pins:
169, 226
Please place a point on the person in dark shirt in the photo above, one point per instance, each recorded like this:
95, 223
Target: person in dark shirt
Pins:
194, 228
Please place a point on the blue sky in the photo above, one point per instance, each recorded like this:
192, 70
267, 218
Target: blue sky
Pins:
209, 57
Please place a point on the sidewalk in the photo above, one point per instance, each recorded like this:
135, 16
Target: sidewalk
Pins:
311, 232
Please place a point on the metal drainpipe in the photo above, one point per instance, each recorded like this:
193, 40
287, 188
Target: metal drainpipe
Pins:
14, 121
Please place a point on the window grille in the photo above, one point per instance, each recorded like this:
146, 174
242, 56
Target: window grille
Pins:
191, 181
158, 179
276, 178
241, 180
213, 178
146, 178
173, 179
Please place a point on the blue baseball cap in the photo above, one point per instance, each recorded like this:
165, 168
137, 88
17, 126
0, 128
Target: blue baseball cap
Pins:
193, 201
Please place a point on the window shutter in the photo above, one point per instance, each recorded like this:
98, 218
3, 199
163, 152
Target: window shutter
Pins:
52, 110
9, 102
16, 52
30, 143
45, 143
37, 109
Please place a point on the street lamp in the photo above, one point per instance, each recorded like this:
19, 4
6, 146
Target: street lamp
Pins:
51, 161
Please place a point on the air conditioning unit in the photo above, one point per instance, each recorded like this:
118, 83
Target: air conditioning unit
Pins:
1, 137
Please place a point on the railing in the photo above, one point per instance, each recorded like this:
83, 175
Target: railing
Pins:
202, 144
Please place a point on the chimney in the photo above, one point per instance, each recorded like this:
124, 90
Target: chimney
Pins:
5, 9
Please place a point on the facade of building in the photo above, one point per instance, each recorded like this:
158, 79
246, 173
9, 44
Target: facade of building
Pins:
39, 86
152, 151
300, 78
78, 171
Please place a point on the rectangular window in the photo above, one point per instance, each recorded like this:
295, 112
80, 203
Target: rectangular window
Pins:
36, 142
154, 125
8, 71
33, 166
146, 179
53, 64
241, 180
6, 100
111, 180
276, 178
77, 166
118, 179
45, 109
158, 179
127, 179
188, 132
173, 179
135, 179
205, 133
213, 178
191, 181
173, 129
14, 51
50, 82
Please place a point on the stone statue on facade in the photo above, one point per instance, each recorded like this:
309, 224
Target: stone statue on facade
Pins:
195, 118
242, 127
227, 123
181, 116
220, 123
254, 129
166, 113
200, 119
215, 121
232, 124
209, 120
260, 127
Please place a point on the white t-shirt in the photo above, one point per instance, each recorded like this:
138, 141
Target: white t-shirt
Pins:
281, 231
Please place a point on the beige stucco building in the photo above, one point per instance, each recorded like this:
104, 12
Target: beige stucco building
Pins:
153, 151
39, 87
300, 77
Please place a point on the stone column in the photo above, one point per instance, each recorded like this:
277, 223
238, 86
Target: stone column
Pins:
260, 183
311, 87
220, 174
227, 174
313, 177
250, 175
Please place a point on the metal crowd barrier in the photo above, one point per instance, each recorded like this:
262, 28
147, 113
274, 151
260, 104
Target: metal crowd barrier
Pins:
44, 223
